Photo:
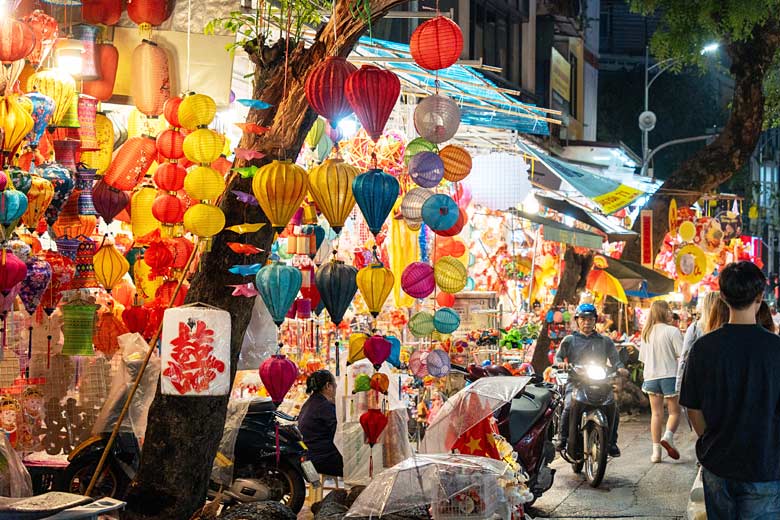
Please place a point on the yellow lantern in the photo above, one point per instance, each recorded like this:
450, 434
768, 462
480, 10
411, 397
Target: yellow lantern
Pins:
356, 343
375, 282
196, 110
203, 146
204, 220
58, 85
204, 183
38, 199
142, 221
450, 274
315, 133
280, 188
110, 265
100, 159
138, 124
330, 185
16, 122
146, 287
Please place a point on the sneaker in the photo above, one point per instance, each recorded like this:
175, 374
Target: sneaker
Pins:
667, 441
656, 456
614, 451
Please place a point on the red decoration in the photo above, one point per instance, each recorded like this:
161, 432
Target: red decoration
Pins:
170, 177
164, 294
45, 30
457, 227
131, 163
62, 271
159, 258
325, 88
170, 144
436, 43
108, 58
107, 329
377, 350
106, 12
193, 365
445, 299
171, 111
151, 85
136, 318
372, 93
278, 375
148, 12
17, 40
168, 209
181, 249
373, 423
308, 287
108, 201
12, 271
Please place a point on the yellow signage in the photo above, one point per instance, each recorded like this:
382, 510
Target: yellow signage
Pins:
618, 198
560, 75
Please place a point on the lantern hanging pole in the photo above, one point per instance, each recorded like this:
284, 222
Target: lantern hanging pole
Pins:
137, 382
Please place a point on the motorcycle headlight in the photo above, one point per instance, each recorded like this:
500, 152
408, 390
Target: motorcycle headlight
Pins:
596, 372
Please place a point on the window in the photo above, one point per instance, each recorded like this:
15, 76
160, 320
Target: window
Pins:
495, 38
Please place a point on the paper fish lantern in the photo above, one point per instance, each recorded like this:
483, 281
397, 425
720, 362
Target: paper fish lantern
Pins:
372, 93
330, 185
426, 169
377, 349
375, 283
437, 118
278, 285
337, 285
421, 324
278, 375
446, 320
450, 274
417, 280
325, 86
279, 188
436, 43
375, 192
36, 282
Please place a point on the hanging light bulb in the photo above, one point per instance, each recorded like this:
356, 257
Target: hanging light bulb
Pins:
69, 55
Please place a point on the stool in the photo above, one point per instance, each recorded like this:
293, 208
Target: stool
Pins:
316, 491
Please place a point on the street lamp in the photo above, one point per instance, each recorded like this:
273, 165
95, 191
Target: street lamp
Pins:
647, 119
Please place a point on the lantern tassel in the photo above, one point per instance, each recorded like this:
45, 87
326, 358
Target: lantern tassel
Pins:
371, 463
278, 450
48, 351
29, 351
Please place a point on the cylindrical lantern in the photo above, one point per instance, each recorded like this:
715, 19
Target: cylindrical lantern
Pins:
375, 192
421, 324
375, 283
440, 212
62, 272
278, 375
38, 198
437, 118
426, 169
278, 285
456, 161
372, 93
78, 328
65, 153
204, 220
412, 203
17, 39
142, 220
106, 12
151, 85
148, 13
84, 276
325, 86
195, 352
85, 178
337, 285
108, 328
330, 185
100, 159
62, 181
90, 67
87, 113
446, 320
417, 280
436, 43
450, 275
109, 202
107, 56
131, 163
110, 266
279, 188
196, 110
417, 145
56, 84
45, 29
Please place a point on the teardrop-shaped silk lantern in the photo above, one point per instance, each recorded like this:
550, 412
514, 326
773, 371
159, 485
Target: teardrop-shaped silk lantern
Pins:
355, 353
436, 43
372, 93
12, 271
315, 133
142, 220
375, 283
278, 375
108, 58
426, 169
437, 118
421, 324
337, 284
151, 85
450, 274
100, 159
131, 163
456, 161
417, 145
446, 320
377, 349
395, 351
373, 423
110, 266
16, 122
38, 198
440, 212
278, 285
279, 188
20, 179
17, 39
375, 192
43, 108
35, 283
330, 185
417, 280
13, 204
58, 85
325, 87
62, 181
45, 29
109, 202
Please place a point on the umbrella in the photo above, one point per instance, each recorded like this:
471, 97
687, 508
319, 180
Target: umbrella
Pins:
422, 480
639, 280
467, 408
600, 281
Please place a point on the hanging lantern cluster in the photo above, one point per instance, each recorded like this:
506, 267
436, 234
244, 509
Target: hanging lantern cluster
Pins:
168, 207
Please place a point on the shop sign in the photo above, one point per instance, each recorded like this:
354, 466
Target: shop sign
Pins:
646, 234
617, 199
560, 75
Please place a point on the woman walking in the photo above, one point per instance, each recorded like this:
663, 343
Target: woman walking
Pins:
659, 351
712, 309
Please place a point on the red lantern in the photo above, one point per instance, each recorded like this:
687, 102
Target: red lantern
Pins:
457, 227
158, 257
436, 43
308, 287
17, 40
170, 144
107, 56
278, 375
377, 350
373, 423
168, 209
109, 202
12, 271
171, 111
45, 30
62, 271
445, 299
107, 329
164, 294
151, 85
136, 318
181, 249
372, 93
170, 177
106, 12
148, 12
325, 88
131, 163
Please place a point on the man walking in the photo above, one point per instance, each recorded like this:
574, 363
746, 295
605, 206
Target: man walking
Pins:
731, 388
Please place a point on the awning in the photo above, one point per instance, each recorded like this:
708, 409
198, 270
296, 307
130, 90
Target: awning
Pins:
571, 209
638, 280
558, 232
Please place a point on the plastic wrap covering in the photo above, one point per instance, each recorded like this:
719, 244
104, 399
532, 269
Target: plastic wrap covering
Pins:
259, 338
423, 480
393, 445
467, 408
15, 480
133, 349
222, 470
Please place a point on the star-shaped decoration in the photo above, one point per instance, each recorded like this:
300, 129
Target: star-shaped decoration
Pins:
244, 289
474, 445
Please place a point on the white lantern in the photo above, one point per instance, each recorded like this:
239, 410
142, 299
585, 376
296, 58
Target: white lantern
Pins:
437, 118
411, 206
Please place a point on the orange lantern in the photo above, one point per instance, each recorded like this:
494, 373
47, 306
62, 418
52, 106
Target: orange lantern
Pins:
170, 176
436, 43
45, 29
17, 39
107, 56
151, 85
131, 163
107, 330
457, 162
148, 13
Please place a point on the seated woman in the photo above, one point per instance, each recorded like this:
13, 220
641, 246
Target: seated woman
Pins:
317, 422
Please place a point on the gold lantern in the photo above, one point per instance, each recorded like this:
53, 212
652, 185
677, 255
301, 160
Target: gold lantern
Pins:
16, 122
58, 85
100, 159
204, 183
280, 188
196, 111
142, 221
375, 282
203, 146
38, 199
330, 185
450, 274
110, 265
204, 220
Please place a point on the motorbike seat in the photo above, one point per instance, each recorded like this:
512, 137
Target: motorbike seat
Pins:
527, 408
260, 406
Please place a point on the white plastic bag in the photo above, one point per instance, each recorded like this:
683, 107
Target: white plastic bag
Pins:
15, 480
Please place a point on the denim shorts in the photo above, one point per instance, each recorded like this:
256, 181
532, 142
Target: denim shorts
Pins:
664, 386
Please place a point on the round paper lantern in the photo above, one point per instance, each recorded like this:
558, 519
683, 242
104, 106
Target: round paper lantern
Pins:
457, 162
45, 29
446, 320
12, 271
56, 84
136, 318
170, 176
77, 328
450, 275
195, 110
17, 39
375, 192
109, 202
445, 299
356, 343
100, 159
421, 324
131, 163
412, 203
372, 93
330, 185
417, 280
375, 283
168, 209
171, 111
35, 283
426, 169
142, 220
437, 118
43, 108
456, 228
159, 258
16, 122
151, 85
417, 364
325, 87
170, 144
279, 187
438, 363
204, 183
204, 220
337, 285
373, 423
377, 349
278, 375
203, 146
278, 285
38, 198
440, 212
416, 146
148, 13
110, 266
436, 43
106, 12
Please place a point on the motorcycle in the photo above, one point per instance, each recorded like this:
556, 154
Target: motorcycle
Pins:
590, 423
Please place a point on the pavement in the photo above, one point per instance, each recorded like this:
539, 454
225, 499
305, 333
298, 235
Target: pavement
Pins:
633, 486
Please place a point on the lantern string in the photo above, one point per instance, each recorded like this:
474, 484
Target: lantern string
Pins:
189, 33
335, 31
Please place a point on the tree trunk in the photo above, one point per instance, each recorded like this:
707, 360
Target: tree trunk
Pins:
575, 273
714, 164
183, 432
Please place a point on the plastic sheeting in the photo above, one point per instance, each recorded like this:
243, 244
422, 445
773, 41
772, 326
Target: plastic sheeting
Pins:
259, 339
15, 481
224, 462
467, 408
133, 348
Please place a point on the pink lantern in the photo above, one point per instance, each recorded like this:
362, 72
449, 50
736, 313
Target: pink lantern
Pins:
377, 350
278, 375
417, 280
12, 271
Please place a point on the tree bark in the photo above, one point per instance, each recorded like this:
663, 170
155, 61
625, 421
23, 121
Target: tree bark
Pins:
575, 273
714, 164
183, 432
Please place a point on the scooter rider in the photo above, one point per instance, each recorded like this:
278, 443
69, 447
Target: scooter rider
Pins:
583, 346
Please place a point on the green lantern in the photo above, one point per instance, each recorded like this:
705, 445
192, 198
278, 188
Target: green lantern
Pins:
421, 324
77, 329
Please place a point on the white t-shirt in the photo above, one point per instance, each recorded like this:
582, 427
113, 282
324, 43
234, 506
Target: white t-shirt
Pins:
660, 353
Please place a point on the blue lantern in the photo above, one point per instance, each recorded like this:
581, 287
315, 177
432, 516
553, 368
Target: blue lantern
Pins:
21, 179
440, 212
278, 285
375, 192
337, 284
43, 108
62, 180
13, 204
438, 363
446, 320
395, 351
